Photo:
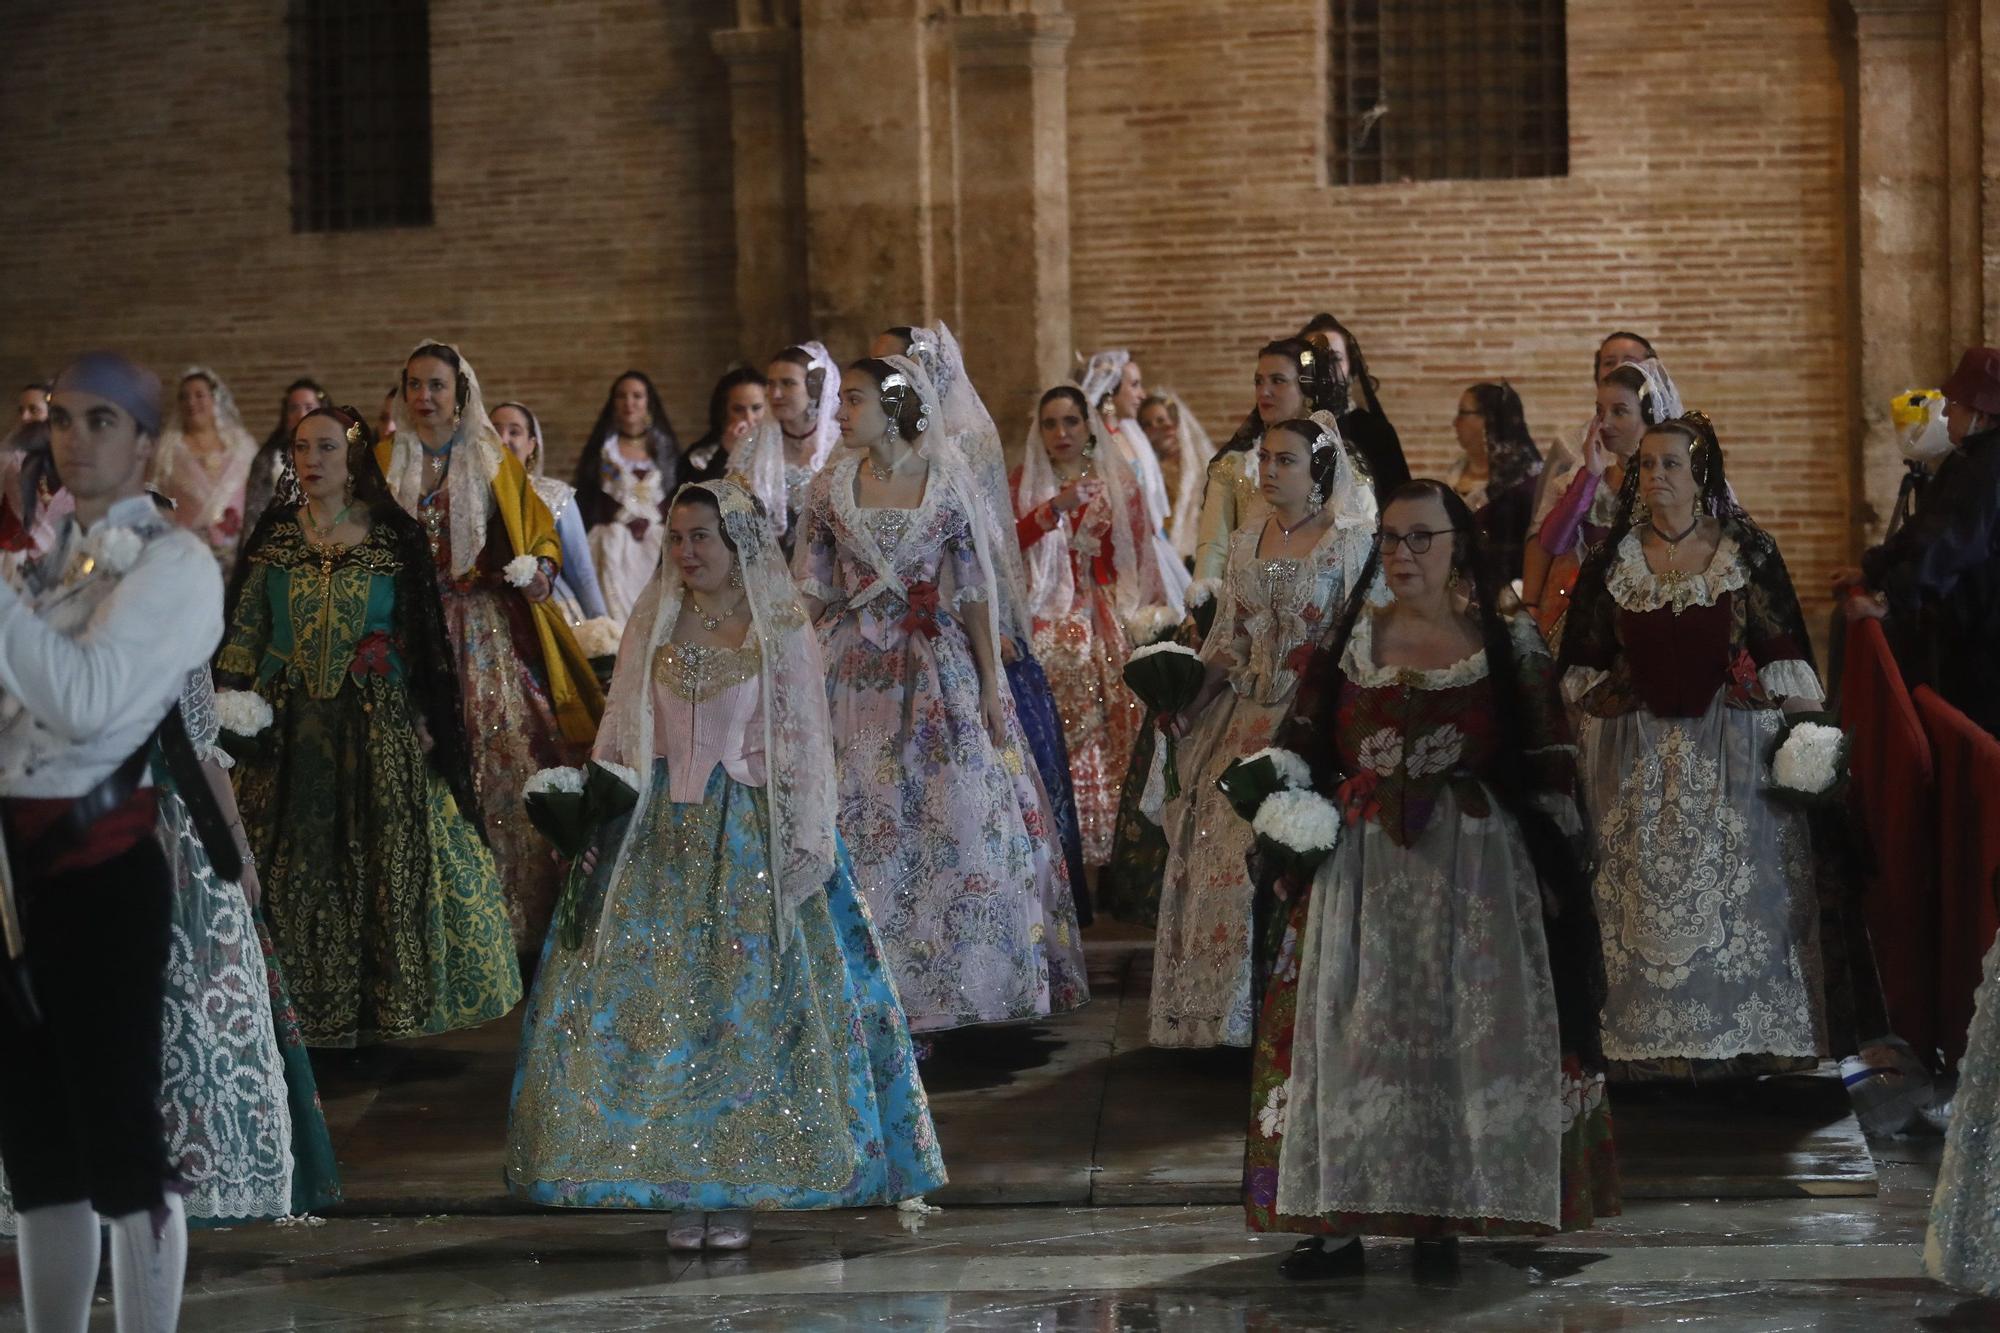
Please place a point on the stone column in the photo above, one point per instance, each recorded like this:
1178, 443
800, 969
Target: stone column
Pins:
1902, 169
765, 129
869, 168
1013, 205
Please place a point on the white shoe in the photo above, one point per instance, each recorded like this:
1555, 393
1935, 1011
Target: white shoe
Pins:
686, 1230
729, 1231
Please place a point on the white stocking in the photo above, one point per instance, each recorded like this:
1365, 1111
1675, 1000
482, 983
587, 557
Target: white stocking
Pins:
59, 1254
147, 1270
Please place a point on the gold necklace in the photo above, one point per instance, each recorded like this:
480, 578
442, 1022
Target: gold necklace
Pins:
713, 623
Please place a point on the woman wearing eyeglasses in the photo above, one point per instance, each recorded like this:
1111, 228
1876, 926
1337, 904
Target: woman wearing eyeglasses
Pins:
1426, 1061
1286, 580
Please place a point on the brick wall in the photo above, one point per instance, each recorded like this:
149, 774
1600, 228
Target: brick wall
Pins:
581, 188
582, 192
1704, 207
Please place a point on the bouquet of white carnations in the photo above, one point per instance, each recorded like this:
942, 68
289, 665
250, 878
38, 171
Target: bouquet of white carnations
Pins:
1168, 678
1809, 763
244, 716
521, 570
1152, 624
569, 806
598, 637
1296, 830
1203, 597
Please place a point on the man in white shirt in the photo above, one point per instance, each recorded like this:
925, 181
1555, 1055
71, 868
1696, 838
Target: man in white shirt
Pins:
97, 637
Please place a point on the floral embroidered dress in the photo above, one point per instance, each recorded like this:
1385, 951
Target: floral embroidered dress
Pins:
951, 838
684, 1056
1412, 1075
1272, 614
1129, 887
1962, 1248
1704, 885
1082, 646
384, 904
508, 715
627, 548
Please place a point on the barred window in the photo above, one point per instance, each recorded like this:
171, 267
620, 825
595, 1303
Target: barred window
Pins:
1446, 90
361, 114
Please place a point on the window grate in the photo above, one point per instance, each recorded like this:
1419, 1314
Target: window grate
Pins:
361, 114
1446, 90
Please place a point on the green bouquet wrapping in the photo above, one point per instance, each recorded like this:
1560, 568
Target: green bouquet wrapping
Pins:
1253, 777
569, 806
1167, 678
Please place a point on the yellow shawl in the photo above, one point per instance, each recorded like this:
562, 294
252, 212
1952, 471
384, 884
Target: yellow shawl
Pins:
531, 530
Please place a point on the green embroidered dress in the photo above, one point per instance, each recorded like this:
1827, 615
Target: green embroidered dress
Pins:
383, 901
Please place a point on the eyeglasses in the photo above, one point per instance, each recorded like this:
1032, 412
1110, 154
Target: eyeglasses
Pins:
1418, 542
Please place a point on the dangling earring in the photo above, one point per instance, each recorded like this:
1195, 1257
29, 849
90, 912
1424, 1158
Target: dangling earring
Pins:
736, 575
1318, 500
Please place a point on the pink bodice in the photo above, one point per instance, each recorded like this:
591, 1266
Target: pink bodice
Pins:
708, 709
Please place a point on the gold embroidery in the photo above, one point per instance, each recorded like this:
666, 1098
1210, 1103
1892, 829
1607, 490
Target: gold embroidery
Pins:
698, 672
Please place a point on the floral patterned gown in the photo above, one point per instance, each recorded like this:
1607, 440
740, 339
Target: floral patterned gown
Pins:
683, 1057
1129, 888
508, 716
1271, 615
1704, 884
951, 839
1083, 652
384, 904
1412, 1075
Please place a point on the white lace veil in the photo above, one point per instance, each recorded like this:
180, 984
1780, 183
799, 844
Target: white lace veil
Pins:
798, 735
759, 463
824, 407
202, 501
1196, 449
1101, 375
1351, 499
1134, 552
969, 429
475, 461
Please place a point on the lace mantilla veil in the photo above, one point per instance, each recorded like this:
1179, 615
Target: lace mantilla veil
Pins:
475, 460
969, 430
1051, 583
798, 734
181, 472
1196, 449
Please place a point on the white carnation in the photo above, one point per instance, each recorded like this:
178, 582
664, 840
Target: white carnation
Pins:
521, 570
1302, 821
625, 775
1202, 591
1809, 760
598, 637
567, 781
1291, 770
242, 712
1168, 647
113, 549
1150, 623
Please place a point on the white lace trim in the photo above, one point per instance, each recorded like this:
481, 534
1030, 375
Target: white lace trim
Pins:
1791, 678
1579, 681
1358, 662
1634, 586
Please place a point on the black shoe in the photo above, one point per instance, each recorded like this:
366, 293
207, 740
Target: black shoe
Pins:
1436, 1257
1311, 1261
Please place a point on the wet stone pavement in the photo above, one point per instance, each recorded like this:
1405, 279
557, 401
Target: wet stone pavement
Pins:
1092, 1189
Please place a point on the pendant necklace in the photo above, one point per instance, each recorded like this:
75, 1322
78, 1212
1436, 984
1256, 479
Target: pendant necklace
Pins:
1311, 514
1674, 543
876, 469
708, 622
322, 532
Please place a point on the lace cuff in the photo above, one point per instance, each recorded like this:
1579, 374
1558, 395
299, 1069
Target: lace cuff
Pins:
1791, 679
1579, 681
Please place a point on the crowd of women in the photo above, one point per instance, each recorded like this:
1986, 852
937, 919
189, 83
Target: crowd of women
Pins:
865, 686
